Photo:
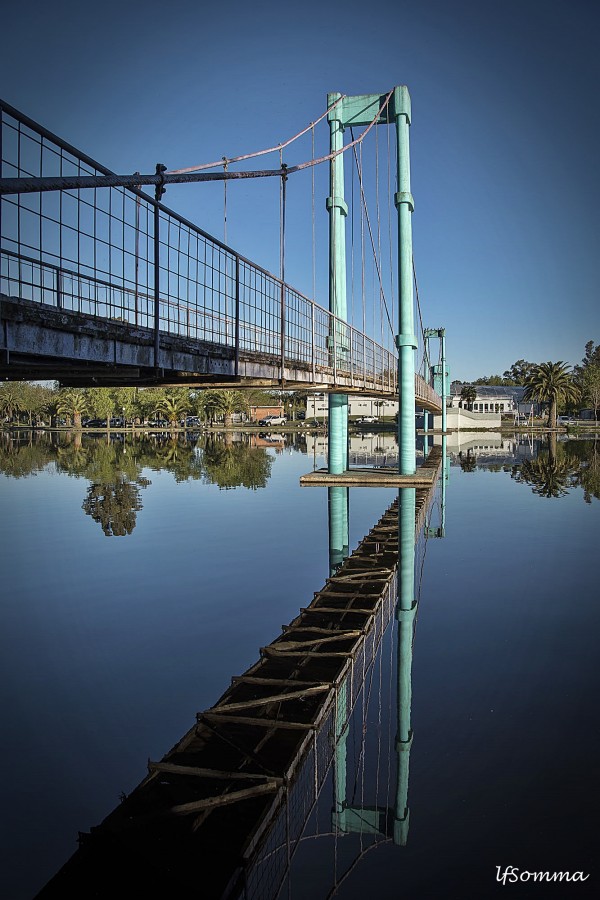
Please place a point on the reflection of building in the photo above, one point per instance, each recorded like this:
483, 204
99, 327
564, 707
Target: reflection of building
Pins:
363, 449
317, 406
490, 449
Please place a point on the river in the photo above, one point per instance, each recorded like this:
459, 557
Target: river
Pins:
140, 575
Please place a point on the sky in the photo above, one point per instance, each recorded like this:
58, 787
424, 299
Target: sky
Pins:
504, 136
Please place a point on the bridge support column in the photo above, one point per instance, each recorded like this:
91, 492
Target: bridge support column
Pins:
406, 340
338, 210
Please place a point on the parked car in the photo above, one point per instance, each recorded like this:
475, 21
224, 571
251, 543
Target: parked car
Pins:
566, 420
365, 419
273, 420
95, 423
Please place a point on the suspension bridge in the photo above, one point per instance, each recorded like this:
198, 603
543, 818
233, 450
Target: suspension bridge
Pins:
101, 284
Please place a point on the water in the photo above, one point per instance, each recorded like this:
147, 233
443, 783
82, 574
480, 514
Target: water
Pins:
128, 608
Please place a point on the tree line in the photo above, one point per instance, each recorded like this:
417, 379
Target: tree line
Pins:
553, 384
28, 403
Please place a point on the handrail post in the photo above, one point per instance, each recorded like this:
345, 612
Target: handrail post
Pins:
236, 370
156, 284
58, 289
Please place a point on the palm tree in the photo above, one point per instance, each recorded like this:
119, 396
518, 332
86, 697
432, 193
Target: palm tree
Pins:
173, 406
225, 403
73, 403
9, 400
551, 383
468, 394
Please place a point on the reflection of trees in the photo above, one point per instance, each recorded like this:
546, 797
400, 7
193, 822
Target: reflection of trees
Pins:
114, 505
232, 465
468, 463
24, 455
588, 476
552, 472
176, 455
113, 497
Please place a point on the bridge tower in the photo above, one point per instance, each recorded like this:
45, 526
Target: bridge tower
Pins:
362, 110
440, 376
338, 211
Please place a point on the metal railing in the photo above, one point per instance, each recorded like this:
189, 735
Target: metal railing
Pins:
116, 253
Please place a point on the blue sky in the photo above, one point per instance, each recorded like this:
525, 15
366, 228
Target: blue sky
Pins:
503, 139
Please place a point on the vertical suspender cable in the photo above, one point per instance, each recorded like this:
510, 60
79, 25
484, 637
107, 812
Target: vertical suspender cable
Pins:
224, 202
314, 269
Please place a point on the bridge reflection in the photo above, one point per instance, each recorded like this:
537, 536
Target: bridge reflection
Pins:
224, 811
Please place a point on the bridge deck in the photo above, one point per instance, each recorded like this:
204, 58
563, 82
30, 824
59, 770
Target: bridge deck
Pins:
41, 341
224, 808
108, 286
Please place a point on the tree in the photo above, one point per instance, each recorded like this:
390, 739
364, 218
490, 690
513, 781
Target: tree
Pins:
173, 406
518, 372
591, 358
148, 400
587, 376
468, 394
225, 403
9, 400
551, 383
72, 403
126, 400
590, 388
103, 402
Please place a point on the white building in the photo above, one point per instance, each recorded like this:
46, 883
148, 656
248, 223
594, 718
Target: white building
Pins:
491, 398
317, 406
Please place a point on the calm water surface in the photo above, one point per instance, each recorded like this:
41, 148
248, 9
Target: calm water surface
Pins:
140, 576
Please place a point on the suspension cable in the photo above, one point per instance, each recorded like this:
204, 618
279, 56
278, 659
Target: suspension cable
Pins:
256, 153
364, 202
425, 356
314, 243
297, 168
224, 203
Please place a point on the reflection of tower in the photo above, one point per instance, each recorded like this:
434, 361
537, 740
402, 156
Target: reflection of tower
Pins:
405, 615
379, 819
440, 531
338, 503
